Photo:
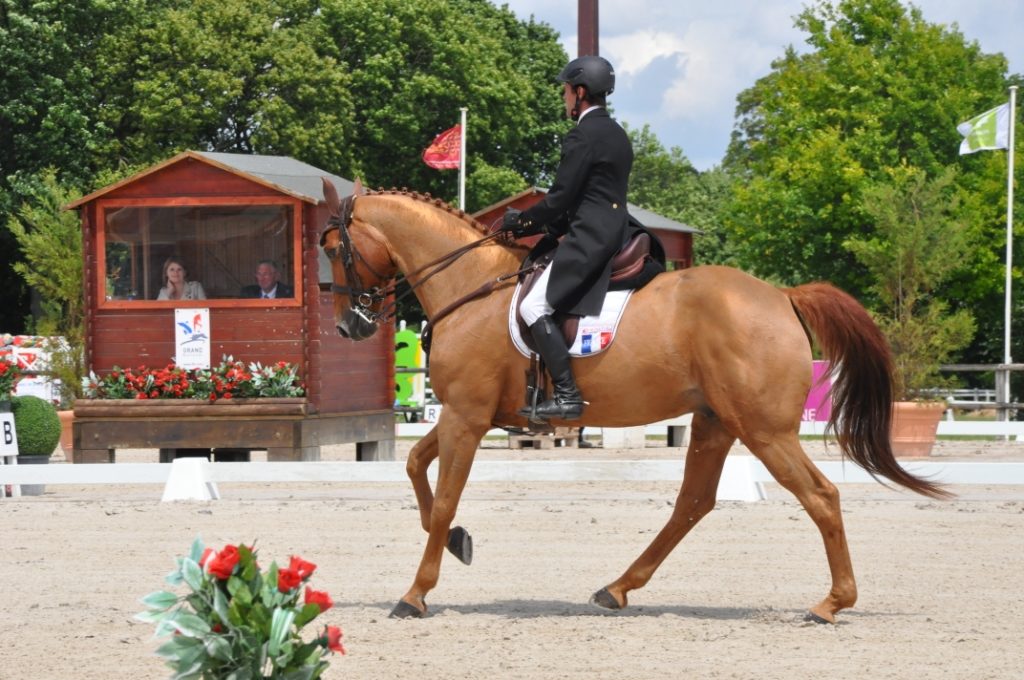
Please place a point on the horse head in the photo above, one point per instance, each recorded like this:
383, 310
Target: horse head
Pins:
361, 266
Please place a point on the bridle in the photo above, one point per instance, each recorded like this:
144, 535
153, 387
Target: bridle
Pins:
362, 299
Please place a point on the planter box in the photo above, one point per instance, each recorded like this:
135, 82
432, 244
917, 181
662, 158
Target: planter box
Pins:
170, 408
284, 427
914, 427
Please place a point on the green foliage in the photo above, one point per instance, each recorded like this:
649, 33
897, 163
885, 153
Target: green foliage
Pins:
881, 88
50, 239
913, 248
244, 76
37, 425
237, 622
666, 182
414, 63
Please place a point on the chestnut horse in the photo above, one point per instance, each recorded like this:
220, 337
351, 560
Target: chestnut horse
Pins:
733, 350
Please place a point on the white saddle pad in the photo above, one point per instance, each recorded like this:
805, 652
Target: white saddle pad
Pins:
595, 333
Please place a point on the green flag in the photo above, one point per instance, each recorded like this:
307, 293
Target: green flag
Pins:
990, 130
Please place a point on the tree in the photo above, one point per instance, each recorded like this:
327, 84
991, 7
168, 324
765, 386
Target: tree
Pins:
47, 109
666, 182
915, 244
881, 88
242, 76
414, 64
51, 240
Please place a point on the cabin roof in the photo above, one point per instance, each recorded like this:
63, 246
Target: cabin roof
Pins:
647, 218
281, 173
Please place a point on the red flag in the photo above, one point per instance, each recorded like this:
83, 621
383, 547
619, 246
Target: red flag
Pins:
444, 152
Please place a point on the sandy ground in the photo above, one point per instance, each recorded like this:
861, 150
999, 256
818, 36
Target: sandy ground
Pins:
941, 583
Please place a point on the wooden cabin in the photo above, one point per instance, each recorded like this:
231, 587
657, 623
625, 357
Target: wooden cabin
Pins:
222, 214
675, 236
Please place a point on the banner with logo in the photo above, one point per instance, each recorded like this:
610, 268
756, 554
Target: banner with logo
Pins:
192, 338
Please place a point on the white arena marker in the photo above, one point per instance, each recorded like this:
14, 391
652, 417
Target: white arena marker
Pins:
188, 481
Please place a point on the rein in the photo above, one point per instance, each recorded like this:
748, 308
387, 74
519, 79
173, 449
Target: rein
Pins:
361, 298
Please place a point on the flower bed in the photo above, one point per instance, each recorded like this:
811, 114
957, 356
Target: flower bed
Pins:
229, 380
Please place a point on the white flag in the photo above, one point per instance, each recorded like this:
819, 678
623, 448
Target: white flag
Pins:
990, 130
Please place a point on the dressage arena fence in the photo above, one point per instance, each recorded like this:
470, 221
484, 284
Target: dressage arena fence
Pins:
742, 479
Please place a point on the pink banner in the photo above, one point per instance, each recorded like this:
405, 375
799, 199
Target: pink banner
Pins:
818, 407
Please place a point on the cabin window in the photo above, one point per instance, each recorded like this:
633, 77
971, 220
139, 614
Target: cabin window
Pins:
221, 247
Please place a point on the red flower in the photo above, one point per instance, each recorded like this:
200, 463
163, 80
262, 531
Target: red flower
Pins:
223, 563
287, 579
300, 565
320, 598
333, 635
206, 555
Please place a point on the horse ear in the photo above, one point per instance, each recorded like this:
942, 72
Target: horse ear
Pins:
358, 189
331, 196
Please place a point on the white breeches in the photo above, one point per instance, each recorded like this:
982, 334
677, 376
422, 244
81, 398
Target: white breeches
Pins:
535, 304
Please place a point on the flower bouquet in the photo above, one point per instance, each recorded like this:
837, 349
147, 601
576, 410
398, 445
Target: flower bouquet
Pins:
229, 380
238, 623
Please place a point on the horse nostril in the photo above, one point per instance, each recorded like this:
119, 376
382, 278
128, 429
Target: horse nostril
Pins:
341, 331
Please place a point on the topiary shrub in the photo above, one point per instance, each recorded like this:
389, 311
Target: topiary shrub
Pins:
37, 425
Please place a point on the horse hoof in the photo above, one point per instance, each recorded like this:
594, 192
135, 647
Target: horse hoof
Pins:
460, 544
404, 610
811, 617
603, 598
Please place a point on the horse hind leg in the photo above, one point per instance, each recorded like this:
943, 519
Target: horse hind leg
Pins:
705, 458
789, 465
426, 450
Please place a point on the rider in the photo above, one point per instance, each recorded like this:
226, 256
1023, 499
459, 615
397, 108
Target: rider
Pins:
586, 206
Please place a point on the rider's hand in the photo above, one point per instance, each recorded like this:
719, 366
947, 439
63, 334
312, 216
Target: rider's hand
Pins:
510, 222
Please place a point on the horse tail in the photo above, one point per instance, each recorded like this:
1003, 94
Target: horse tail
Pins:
862, 391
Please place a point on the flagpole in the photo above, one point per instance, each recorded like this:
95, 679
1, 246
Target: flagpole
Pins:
462, 161
1005, 396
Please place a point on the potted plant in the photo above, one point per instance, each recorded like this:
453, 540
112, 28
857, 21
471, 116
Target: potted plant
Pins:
916, 244
51, 242
38, 430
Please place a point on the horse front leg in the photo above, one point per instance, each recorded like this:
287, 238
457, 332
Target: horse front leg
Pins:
705, 458
460, 543
420, 458
457, 441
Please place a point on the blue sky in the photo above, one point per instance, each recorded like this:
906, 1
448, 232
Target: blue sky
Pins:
680, 63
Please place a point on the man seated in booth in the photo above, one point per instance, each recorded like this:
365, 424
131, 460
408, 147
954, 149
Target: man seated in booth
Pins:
267, 284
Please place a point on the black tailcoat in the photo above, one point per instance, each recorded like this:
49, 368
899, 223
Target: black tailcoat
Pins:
586, 206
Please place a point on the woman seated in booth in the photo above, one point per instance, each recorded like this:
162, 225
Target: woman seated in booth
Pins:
176, 286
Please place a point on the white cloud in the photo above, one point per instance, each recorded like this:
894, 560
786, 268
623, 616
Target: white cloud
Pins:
635, 52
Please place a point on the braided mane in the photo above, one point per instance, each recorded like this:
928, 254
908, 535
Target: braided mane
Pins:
437, 202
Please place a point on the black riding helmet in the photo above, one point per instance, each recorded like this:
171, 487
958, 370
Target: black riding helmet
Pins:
592, 72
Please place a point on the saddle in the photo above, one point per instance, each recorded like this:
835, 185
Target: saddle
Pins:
627, 265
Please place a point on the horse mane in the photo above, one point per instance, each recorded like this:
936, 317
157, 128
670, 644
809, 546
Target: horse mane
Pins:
479, 227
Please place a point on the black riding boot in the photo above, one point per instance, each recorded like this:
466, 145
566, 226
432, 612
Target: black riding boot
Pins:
566, 403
